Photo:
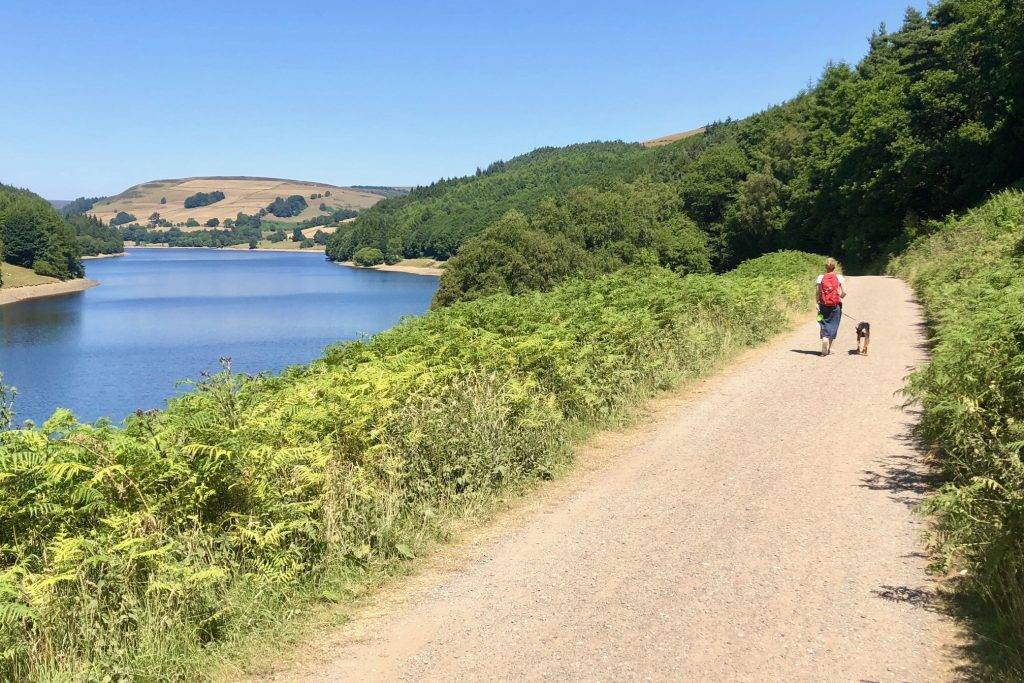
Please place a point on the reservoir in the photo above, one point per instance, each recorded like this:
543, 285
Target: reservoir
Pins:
163, 315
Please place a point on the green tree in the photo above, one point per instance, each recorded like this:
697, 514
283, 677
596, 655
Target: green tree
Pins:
36, 236
123, 217
368, 256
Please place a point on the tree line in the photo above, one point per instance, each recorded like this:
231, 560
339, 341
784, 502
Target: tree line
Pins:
34, 235
243, 229
94, 237
929, 122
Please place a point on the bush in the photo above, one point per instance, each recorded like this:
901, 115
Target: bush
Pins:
191, 223
968, 277
368, 256
213, 223
128, 551
123, 217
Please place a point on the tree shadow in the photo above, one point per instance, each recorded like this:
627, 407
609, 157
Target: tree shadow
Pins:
986, 652
905, 476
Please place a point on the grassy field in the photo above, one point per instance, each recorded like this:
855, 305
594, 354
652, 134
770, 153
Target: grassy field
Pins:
246, 195
421, 263
16, 276
326, 229
669, 139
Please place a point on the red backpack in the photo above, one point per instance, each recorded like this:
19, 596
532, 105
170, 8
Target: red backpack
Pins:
830, 290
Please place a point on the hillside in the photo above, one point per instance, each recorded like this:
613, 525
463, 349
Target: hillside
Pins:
856, 166
241, 195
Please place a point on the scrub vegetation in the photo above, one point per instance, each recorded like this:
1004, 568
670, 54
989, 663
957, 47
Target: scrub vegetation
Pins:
968, 276
129, 552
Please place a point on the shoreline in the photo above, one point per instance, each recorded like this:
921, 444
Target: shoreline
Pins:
238, 248
99, 256
429, 271
14, 295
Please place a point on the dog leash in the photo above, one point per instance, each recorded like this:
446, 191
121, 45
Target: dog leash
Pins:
852, 318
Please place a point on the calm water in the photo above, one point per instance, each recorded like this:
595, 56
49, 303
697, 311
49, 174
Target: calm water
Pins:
162, 315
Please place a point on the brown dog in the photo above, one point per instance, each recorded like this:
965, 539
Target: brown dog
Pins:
863, 338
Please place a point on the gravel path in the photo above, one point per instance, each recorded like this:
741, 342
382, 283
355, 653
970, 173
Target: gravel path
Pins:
758, 529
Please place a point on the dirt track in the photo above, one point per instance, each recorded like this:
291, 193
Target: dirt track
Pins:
759, 529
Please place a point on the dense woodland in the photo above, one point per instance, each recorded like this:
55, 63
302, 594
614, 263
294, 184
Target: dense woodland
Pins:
80, 205
927, 123
33, 235
203, 199
94, 237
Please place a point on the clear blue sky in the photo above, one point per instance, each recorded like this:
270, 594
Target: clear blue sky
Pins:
101, 95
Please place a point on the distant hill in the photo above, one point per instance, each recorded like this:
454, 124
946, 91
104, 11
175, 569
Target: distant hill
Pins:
241, 194
59, 203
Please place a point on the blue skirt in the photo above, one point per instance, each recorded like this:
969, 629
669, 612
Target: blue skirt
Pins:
830, 318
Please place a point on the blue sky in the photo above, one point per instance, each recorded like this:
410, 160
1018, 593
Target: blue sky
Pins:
102, 95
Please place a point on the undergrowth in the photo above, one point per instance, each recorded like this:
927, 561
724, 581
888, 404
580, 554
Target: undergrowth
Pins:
127, 553
968, 275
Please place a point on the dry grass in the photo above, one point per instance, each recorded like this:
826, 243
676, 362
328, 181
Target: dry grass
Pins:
246, 195
16, 276
326, 229
669, 139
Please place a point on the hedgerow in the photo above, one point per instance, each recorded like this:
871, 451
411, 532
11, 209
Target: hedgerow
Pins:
968, 277
125, 552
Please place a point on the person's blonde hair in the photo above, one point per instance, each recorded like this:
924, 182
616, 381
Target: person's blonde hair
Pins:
830, 264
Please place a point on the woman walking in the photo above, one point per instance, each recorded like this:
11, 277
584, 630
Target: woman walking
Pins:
831, 292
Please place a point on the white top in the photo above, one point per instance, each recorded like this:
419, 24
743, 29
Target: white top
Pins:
822, 277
